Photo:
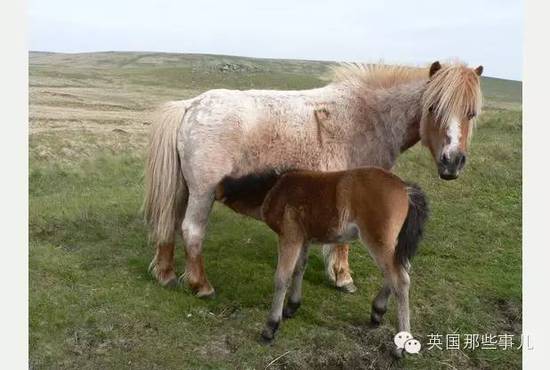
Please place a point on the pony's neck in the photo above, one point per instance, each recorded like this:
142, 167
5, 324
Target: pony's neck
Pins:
402, 113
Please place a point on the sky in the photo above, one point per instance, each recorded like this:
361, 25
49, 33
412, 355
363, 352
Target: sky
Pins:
486, 32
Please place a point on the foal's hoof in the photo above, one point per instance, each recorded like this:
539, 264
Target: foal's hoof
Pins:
374, 321
347, 288
376, 315
267, 336
398, 353
290, 309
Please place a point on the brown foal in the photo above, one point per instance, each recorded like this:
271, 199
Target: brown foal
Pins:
386, 214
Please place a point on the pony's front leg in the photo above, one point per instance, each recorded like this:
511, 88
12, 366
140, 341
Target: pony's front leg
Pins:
337, 266
193, 229
289, 252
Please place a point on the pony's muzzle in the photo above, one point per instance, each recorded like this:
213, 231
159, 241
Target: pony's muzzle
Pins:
450, 165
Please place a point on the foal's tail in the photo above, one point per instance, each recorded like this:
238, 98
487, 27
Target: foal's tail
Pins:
165, 189
413, 227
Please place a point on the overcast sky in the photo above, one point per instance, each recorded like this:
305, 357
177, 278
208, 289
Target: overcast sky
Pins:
488, 32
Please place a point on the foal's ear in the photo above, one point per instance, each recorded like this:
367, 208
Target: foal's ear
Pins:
434, 68
479, 70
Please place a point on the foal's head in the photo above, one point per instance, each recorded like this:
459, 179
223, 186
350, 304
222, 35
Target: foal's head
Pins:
450, 105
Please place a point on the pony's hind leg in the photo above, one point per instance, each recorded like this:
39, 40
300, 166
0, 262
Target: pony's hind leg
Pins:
162, 265
295, 296
337, 266
289, 253
193, 230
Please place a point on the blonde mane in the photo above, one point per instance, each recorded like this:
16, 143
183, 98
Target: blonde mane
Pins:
377, 76
454, 91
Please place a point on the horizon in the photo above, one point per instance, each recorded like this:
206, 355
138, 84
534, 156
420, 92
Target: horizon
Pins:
240, 56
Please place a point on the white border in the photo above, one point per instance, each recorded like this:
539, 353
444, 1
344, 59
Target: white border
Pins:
14, 185
536, 185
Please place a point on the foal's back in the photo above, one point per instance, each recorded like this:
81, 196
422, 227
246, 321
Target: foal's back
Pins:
325, 206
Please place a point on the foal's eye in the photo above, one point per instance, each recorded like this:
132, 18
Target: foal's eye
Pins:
471, 116
431, 109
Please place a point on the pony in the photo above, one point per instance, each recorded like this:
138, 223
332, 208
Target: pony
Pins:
367, 116
370, 204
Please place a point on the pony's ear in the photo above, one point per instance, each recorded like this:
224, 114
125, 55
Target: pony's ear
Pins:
434, 68
479, 70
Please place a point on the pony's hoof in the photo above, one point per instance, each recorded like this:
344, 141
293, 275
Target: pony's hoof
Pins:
347, 288
166, 279
170, 284
206, 294
200, 290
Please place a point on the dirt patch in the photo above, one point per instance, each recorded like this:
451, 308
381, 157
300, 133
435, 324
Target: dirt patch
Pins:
510, 312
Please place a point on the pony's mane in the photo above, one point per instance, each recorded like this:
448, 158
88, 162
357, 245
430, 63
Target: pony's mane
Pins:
453, 91
377, 76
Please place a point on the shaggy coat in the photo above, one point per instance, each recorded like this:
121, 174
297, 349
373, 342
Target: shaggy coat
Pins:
368, 116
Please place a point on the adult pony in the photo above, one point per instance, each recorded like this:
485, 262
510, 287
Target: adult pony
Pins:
367, 116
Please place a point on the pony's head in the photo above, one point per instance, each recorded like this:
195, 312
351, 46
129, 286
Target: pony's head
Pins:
450, 105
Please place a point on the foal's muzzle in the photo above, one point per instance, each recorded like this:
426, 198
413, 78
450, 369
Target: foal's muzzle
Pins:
449, 165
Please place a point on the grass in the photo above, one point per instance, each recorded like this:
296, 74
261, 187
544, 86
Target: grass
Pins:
93, 304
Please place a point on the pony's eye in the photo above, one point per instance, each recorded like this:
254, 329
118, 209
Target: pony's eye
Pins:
471, 116
431, 109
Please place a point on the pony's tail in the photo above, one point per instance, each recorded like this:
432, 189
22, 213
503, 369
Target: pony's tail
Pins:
413, 227
165, 188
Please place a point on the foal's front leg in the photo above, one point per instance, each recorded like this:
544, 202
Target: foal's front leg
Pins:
295, 296
289, 251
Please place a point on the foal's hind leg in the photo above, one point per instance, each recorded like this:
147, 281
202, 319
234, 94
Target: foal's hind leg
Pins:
396, 281
337, 266
193, 229
295, 295
400, 280
289, 252
380, 303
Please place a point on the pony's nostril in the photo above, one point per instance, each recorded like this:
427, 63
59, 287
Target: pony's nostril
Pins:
444, 160
461, 160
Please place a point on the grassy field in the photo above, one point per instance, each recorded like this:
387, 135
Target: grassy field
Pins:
94, 306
